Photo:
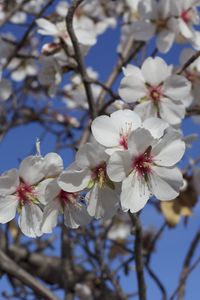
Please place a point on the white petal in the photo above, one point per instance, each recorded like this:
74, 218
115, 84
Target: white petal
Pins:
9, 182
92, 198
169, 149
31, 169
139, 140
119, 165
85, 37
69, 218
135, 193
156, 126
90, 155
19, 74
46, 27
125, 120
143, 31
50, 216
132, 70
8, 207
176, 87
165, 40
40, 190
171, 112
146, 109
30, 220
105, 132
185, 55
74, 180
102, 202
132, 88
79, 213
165, 182
53, 165
185, 30
155, 70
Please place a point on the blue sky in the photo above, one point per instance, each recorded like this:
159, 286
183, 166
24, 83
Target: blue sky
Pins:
167, 261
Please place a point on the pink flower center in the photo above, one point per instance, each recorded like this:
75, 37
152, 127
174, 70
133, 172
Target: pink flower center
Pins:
99, 170
25, 193
142, 164
187, 15
155, 93
124, 141
65, 197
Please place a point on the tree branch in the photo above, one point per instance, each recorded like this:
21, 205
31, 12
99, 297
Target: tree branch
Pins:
11, 268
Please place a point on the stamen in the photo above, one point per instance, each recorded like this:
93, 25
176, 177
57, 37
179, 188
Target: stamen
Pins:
25, 193
187, 15
142, 164
124, 135
65, 197
155, 93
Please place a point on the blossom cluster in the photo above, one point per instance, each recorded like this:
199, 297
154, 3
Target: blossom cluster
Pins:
134, 149
130, 161
169, 20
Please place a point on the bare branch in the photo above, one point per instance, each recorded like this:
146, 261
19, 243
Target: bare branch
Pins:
11, 268
78, 55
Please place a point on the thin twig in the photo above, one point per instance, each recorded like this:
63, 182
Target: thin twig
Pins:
26, 34
157, 281
189, 62
79, 58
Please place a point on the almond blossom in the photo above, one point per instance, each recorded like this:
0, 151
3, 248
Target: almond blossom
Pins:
192, 73
20, 191
147, 168
170, 20
186, 16
158, 91
61, 202
154, 18
83, 30
88, 172
113, 132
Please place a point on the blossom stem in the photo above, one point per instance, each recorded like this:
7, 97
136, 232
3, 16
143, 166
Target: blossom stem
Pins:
189, 62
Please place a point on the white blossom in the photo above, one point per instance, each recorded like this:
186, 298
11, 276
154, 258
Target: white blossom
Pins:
147, 168
88, 172
83, 31
113, 132
159, 92
61, 202
20, 191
